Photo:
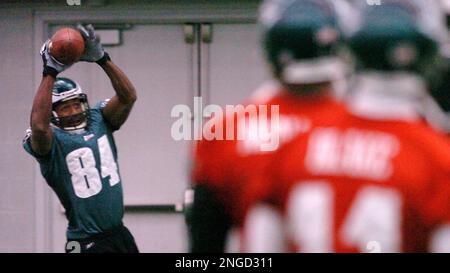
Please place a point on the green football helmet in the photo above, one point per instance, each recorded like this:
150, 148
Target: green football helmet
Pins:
65, 89
301, 39
399, 35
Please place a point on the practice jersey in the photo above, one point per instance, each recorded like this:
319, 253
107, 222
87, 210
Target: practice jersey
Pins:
83, 171
227, 166
361, 185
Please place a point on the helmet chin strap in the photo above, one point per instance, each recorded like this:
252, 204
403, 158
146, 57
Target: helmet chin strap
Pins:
73, 129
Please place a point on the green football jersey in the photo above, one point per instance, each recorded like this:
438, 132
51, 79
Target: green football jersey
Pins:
83, 171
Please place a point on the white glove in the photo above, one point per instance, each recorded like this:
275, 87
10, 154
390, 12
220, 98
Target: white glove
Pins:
51, 65
93, 49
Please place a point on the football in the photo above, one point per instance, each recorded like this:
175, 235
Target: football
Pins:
67, 45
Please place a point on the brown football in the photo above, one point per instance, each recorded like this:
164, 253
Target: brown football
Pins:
67, 45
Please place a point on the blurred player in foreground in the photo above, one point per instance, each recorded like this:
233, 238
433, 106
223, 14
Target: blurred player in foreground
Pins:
75, 148
439, 108
378, 181
302, 40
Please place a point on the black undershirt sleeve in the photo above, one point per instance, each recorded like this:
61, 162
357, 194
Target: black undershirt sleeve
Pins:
208, 222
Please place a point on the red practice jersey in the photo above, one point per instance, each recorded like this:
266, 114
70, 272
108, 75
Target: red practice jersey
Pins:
361, 185
228, 166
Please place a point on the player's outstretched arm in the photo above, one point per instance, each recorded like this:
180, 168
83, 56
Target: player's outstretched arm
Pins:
41, 133
41, 113
119, 107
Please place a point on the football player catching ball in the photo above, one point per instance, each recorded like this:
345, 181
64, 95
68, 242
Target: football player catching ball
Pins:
75, 148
